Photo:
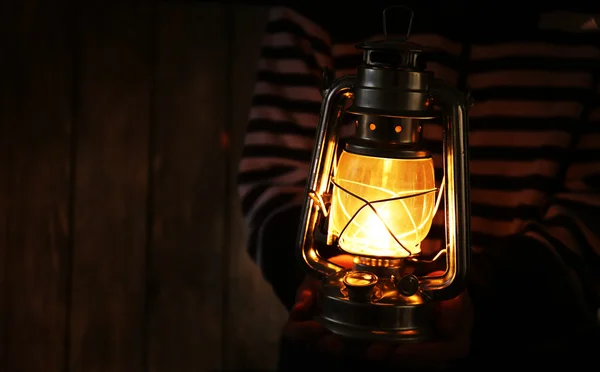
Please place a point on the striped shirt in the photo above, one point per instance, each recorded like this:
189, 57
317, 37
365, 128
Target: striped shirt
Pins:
534, 136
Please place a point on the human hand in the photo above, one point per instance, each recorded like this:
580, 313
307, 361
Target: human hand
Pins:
301, 327
454, 322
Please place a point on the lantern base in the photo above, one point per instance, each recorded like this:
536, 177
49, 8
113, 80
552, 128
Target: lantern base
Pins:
384, 314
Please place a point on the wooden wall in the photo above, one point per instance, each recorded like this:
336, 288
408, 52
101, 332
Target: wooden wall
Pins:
121, 241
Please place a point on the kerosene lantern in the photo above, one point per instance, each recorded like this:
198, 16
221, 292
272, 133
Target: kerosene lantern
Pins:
376, 198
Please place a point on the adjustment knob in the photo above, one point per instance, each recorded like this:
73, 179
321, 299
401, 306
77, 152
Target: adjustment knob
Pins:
408, 285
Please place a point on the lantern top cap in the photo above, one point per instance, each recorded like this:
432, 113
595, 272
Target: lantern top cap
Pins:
392, 45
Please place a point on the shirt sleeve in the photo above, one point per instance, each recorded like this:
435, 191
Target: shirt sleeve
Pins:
544, 283
279, 142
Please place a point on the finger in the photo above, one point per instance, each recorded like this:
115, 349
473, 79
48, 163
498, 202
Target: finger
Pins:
344, 260
449, 312
307, 289
330, 344
310, 283
455, 316
379, 351
450, 316
304, 305
305, 296
436, 273
305, 331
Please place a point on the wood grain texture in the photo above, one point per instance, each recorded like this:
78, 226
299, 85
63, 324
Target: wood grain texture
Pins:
255, 315
186, 269
37, 245
8, 114
8, 65
122, 246
113, 114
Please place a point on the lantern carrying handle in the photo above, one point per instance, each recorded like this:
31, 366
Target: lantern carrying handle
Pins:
410, 22
335, 98
454, 105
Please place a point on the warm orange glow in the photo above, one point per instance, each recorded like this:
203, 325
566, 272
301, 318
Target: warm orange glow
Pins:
375, 179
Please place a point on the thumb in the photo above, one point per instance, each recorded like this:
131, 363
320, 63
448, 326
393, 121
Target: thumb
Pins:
452, 314
305, 303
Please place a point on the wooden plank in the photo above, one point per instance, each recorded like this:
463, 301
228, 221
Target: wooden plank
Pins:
114, 90
8, 68
255, 315
37, 115
8, 65
185, 320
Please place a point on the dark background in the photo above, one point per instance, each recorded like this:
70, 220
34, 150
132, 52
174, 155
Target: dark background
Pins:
121, 241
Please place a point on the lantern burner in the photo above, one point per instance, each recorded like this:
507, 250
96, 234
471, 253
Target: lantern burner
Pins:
383, 267
378, 298
359, 303
378, 262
